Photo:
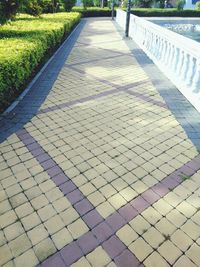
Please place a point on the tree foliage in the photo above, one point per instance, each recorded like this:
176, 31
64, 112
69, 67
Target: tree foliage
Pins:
148, 3
68, 4
8, 9
32, 7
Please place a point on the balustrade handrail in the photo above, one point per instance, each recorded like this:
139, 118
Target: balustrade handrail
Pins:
175, 38
176, 55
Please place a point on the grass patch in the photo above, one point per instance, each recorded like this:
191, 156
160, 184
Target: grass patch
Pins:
184, 177
24, 44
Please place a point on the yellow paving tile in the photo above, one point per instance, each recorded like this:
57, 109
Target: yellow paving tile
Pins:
44, 249
78, 228
127, 235
136, 246
169, 252
61, 238
156, 260
98, 257
113, 148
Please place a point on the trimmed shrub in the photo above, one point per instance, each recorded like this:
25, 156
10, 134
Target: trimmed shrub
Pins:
23, 45
167, 12
141, 12
93, 11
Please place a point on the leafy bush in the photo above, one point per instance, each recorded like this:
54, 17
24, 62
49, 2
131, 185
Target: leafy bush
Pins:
8, 9
68, 4
97, 3
180, 4
47, 6
87, 3
33, 8
142, 3
23, 45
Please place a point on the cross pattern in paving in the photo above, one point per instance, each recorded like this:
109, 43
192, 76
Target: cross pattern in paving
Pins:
103, 174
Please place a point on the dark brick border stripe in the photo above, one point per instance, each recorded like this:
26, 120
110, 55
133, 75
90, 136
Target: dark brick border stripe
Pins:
88, 33
104, 42
105, 49
98, 59
102, 231
126, 87
78, 101
154, 193
109, 92
92, 97
110, 50
147, 99
93, 77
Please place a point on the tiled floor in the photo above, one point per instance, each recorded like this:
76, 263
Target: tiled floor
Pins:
96, 170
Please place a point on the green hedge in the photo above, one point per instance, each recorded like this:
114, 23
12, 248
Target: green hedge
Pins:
141, 12
93, 11
23, 45
167, 12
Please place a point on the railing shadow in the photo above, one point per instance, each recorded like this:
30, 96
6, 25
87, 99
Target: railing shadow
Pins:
181, 108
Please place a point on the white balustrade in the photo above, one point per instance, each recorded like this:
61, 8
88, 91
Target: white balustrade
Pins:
177, 57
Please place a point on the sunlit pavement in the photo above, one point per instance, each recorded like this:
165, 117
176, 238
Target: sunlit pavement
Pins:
96, 168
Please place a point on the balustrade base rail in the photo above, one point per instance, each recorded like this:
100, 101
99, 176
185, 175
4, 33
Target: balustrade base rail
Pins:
176, 56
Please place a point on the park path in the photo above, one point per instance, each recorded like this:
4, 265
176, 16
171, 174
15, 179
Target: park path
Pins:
99, 162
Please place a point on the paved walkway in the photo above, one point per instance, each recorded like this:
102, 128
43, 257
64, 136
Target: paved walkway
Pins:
96, 165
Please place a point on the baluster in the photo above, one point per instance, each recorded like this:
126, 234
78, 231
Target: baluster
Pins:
155, 45
175, 60
196, 80
171, 56
135, 31
164, 48
152, 42
185, 67
144, 37
139, 34
147, 43
147, 40
160, 49
167, 53
180, 63
190, 71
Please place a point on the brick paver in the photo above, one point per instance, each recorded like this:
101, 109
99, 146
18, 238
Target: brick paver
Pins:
97, 168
